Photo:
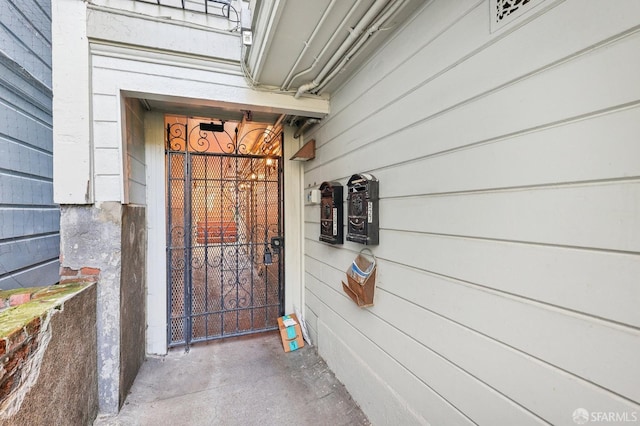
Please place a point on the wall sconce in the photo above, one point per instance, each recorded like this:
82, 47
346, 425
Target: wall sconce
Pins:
270, 165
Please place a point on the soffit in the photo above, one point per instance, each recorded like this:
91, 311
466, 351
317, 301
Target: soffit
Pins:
283, 35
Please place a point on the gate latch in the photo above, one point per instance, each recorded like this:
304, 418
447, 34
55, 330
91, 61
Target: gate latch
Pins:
267, 256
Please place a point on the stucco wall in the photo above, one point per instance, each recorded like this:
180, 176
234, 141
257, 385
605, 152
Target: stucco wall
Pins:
509, 234
132, 296
107, 243
91, 239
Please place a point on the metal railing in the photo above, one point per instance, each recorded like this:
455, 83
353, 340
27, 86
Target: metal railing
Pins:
222, 8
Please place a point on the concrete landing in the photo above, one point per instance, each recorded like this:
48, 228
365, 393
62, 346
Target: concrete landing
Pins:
239, 381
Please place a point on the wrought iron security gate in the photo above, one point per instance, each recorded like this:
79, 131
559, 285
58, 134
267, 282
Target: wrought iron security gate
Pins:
224, 238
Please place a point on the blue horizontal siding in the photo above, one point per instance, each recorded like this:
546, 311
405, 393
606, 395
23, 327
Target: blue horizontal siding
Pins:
29, 219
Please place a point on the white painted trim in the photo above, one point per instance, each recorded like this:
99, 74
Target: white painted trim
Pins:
156, 235
184, 79
71, 104
156, 226
162, 34
183, 60
122, 143
270, 12
293, 226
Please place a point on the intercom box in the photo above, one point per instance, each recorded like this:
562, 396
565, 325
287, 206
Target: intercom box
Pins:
312, 196
290, 332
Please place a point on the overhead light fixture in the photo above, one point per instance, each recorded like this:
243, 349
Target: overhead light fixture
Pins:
212, 127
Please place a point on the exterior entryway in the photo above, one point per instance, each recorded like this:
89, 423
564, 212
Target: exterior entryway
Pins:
224, 235
243, 381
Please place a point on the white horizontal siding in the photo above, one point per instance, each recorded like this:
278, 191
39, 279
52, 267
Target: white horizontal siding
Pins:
579, 216
603, 145
444, 379
476, 65
572, 277
108, 187
107, 161
104, 134
532, 327
509, 227
559, 96
376, 373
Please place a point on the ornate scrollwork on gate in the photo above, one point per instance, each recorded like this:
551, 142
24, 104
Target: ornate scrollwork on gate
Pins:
252, 141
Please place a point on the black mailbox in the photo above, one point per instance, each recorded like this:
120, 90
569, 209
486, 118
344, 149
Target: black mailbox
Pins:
331, 213
362, 209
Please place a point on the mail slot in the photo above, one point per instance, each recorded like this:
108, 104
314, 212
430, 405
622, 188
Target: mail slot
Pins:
331, 213
362, 209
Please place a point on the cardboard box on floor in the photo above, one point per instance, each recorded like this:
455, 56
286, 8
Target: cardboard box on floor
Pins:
290, 332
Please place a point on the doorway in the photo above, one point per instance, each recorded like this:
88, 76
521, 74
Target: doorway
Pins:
225, 254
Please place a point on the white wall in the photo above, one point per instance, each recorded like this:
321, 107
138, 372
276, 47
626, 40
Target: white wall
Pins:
509, 227
133, 56
102, 55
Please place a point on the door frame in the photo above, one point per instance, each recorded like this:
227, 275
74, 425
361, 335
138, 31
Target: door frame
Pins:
156, 300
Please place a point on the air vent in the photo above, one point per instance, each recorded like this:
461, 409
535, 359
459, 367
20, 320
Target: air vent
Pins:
505, 11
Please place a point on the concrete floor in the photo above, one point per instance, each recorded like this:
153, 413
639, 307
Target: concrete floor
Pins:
238, 381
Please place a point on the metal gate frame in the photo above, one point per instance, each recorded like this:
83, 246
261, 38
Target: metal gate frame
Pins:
232, 250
